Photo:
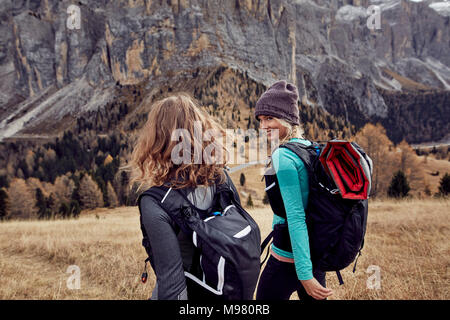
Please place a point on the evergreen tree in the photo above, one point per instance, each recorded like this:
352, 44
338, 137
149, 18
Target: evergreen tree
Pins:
250, 201
111, 196
265, 200
4, 182
427, 190
41, 204
64, 210
444, 185
76, 190
124, 181
242, 179
75, 208
50, 203
399, 186
3, 204
24, 167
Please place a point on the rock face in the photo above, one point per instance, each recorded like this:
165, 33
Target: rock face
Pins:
60, 59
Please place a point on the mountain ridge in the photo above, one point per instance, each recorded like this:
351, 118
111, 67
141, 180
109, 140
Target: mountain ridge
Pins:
53, 74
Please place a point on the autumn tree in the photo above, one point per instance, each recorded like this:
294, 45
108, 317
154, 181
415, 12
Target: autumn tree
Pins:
34, 183
90, 194
410, 165
64, 187
22, 200
374, 141
48, 191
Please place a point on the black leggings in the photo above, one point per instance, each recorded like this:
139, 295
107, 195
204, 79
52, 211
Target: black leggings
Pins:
279, 280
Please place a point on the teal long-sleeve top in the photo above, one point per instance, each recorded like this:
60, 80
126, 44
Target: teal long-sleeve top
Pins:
292, 177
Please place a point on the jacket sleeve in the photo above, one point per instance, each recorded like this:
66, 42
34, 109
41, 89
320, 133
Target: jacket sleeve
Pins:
166, 255
293, 182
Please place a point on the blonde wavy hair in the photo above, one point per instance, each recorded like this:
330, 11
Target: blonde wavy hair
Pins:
151, 161
293, 131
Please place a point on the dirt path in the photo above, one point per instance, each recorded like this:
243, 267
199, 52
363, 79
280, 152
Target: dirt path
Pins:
25, 276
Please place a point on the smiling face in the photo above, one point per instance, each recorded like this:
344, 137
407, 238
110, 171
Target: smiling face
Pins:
270, 125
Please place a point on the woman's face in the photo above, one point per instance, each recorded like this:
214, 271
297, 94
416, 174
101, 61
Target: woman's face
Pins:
270, 125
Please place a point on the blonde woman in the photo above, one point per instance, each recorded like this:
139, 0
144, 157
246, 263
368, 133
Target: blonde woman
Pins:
156, 160
289, 267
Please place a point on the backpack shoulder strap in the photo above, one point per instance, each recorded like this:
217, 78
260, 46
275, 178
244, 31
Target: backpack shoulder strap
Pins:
172, 202
306, 153
176, 203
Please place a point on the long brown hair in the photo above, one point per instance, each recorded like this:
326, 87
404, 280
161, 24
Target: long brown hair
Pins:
152, 162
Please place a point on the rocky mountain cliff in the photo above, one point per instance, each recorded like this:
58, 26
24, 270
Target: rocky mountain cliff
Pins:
62, 60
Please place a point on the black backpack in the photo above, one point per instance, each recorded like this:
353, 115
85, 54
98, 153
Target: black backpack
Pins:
227, 241
336, 226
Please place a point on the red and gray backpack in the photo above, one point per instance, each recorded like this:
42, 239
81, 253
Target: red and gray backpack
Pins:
336, 215
227, 242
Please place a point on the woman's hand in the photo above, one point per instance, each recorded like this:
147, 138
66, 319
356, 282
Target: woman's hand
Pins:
315, 289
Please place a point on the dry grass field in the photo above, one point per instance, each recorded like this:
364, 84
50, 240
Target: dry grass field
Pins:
406, 240
430, 165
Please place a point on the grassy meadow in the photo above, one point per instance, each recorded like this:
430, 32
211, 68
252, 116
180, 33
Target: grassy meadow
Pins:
407, 240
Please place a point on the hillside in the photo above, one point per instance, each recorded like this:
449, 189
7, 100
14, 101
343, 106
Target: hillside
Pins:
434, 171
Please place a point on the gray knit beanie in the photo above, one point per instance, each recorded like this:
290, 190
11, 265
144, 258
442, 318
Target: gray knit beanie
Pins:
279, 101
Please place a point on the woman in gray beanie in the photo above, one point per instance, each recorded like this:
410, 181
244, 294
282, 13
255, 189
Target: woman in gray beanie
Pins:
289, 267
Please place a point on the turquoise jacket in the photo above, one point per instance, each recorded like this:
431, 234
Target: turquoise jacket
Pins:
292, 179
